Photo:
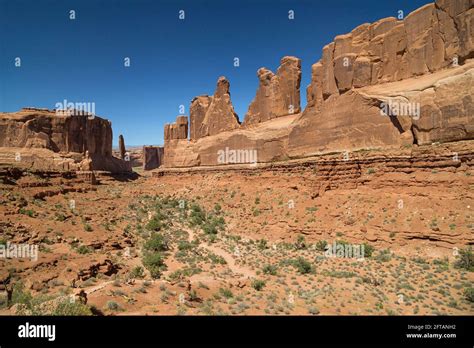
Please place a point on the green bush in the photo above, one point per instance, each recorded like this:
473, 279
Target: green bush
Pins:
258, 284
300, 243
20, 295
154, 224
465, 259
71, 309
321, 245
368, 250
226, 293
137, 272
262, 244
154, 263
83, 249
197, 216
39, 305
303, 266
270, 269
384, 256
156, 243
113, 306
184, 245
469, 294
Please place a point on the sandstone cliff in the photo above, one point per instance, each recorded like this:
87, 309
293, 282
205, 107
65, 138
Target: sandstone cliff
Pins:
213, 115
177, 130
387, 84
398, 58
278, 94
82, 142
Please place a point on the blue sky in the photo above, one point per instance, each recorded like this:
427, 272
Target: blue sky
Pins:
172, 60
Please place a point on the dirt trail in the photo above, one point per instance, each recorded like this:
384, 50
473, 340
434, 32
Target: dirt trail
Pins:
229, 258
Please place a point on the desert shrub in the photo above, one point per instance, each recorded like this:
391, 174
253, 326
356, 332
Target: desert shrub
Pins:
157, 243
217, 259
71, 309
59, 216
465, 259
84, 249
213, 224
154, 224
300, 242
197, 216
154, 263
184, 245
321, 245
384, 256
302, 266
226, 293
368, 250
270, 269
258, 284
469, 294
20, 295
29, 212
43, 305
113, 306
262, 244
137, 272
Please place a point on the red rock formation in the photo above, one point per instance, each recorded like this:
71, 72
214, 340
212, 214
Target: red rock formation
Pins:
177, 130
122, 146
199, 107
428, 39
213, 115
375, 65
387, 84
65, 139
278, 94
152, 157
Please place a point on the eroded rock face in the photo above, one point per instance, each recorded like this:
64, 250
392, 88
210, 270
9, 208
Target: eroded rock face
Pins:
199, 107
65, 138
152, 157
39, 128
430, 38
213, 115
418, 70
177, 130
278, 94
122, 146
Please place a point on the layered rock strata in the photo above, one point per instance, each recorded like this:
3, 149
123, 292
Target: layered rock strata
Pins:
388, 84
51, 140
277, 94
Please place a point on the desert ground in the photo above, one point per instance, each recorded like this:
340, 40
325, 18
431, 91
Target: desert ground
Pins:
241, 243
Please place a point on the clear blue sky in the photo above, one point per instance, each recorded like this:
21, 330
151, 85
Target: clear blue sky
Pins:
172, 60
